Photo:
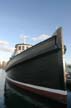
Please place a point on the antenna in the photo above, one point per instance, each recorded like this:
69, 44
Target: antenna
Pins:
24, 38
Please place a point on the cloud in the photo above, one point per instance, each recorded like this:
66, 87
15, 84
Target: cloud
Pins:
40, 38
2, 42
5, 46
35, 39
7, 49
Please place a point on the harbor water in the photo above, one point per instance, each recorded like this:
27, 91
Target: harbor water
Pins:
2, 82
12, 99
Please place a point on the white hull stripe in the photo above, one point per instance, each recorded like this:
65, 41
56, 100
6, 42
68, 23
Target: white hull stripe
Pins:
61, 92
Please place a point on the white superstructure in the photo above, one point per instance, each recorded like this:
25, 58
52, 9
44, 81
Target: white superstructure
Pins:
20, 48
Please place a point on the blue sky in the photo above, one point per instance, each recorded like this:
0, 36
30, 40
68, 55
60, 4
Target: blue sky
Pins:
33, 19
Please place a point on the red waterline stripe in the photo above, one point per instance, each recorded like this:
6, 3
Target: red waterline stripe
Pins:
55, 96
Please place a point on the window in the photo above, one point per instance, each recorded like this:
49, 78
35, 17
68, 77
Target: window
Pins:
22, 47
19, 47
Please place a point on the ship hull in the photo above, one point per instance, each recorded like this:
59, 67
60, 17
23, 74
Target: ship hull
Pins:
39, 70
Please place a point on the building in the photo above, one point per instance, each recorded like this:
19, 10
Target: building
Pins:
2, 65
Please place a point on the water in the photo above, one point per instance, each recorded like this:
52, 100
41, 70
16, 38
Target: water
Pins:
2, 82
10, 98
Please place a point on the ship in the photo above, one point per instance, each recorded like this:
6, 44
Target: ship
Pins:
39, 70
